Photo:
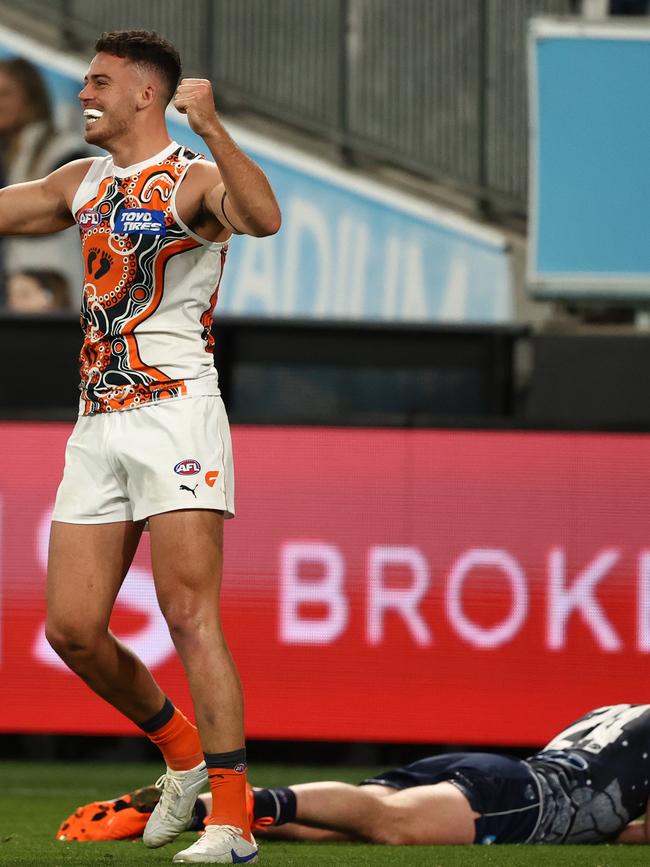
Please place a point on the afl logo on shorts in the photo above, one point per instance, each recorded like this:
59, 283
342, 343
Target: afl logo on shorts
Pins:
188, 467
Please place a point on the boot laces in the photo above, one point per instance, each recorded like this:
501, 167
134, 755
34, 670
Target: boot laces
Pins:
171, 790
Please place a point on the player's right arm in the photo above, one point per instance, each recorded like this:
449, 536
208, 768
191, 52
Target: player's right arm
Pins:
42, 206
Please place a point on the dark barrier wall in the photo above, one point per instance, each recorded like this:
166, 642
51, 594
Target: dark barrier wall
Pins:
275, 372
590, 381
293, 373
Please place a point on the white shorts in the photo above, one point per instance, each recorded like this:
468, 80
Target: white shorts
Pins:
126, 466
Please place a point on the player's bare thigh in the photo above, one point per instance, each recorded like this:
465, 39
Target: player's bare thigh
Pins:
422, 815
87, 564
187, 556
429, 815
378, 791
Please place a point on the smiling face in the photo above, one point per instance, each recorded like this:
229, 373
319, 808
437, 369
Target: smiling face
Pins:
114, 90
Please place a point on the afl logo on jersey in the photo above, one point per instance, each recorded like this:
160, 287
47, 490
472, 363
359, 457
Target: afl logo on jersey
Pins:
188, 467
89, 218
139, 221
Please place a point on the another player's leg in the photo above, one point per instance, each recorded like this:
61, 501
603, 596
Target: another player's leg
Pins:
270, 811
305, 834
422, 815
187, 557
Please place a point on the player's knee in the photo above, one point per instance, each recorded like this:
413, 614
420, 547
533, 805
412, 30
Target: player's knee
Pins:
386, 835
72, 640
190, 623
394, 836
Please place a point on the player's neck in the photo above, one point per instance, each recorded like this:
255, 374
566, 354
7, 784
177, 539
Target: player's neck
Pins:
133, 149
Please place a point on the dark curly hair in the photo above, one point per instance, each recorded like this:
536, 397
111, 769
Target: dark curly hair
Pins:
147, 48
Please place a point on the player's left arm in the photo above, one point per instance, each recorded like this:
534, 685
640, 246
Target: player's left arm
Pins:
243, 201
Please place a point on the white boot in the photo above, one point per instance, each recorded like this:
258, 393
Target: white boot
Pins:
221, 844
173, 811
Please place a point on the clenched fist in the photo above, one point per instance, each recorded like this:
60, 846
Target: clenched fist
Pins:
194, 98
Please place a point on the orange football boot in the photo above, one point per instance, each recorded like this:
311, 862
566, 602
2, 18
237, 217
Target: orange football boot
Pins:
121, 819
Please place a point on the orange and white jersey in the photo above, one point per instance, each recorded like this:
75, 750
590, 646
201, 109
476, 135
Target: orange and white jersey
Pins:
150, 286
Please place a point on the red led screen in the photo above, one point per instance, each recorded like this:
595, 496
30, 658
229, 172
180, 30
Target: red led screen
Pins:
433, 586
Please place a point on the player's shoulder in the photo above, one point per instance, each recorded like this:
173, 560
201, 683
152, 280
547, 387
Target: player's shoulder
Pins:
202, 173
72, 173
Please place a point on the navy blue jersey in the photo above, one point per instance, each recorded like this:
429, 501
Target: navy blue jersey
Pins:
595, 775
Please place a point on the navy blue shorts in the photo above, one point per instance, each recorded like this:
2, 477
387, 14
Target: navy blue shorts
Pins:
503, 790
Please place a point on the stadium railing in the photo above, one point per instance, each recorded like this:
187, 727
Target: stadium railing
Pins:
437, 88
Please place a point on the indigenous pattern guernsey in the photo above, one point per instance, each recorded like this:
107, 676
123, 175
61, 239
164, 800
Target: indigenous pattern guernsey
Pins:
150, 286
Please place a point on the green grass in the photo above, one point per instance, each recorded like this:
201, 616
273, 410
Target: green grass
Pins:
35, 797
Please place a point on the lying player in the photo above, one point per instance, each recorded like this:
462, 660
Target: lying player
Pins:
586, 786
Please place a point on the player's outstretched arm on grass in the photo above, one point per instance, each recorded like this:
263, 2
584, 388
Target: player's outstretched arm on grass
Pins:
242, 200
43, 206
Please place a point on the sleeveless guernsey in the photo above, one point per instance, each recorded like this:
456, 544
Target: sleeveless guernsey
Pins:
150, 286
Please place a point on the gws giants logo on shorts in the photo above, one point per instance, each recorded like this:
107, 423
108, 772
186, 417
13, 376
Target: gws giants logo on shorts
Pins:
140, 221
211, 477
187, 467
89, 218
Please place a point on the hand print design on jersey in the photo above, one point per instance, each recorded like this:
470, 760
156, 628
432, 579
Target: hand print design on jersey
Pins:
124, 285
